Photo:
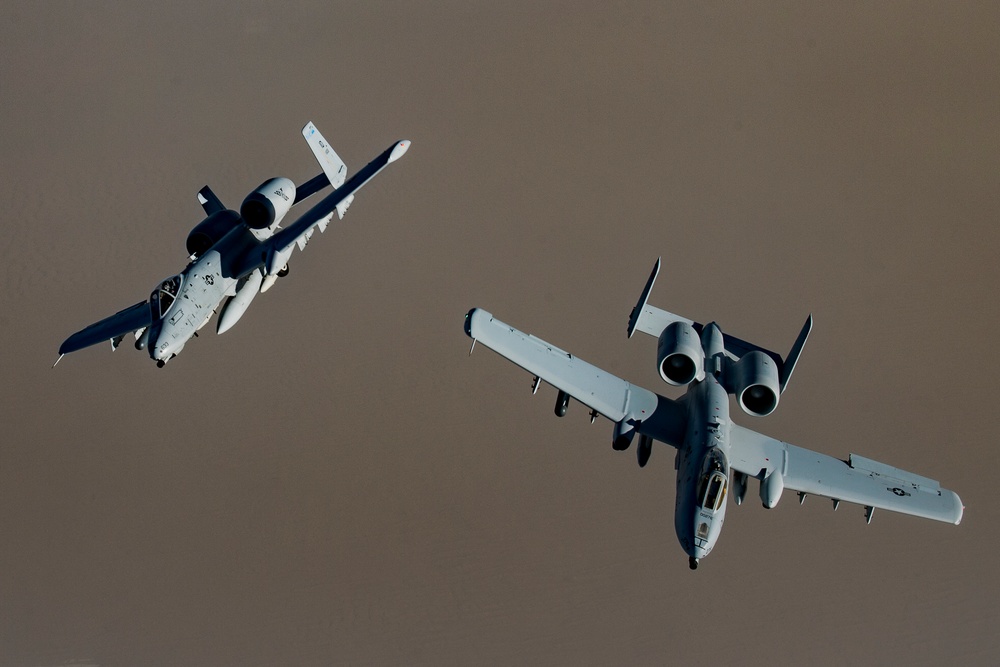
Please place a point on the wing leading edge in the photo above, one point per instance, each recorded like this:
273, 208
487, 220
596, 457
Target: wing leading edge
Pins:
124, 321
858, 480
599, 390
282, 241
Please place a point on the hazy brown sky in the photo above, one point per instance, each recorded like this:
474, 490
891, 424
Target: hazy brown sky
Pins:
334, 481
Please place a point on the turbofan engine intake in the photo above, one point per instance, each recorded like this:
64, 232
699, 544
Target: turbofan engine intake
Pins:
210, 231
679, 355
757, 384
268, 204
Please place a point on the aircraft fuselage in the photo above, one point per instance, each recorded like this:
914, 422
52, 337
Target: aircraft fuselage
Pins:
703, 461
204, 284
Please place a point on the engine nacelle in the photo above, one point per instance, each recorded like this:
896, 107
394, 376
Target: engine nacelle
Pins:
756, 385
210, 231
679, 355
268, 204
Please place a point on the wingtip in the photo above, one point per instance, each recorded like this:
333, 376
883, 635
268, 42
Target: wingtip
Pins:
399, 150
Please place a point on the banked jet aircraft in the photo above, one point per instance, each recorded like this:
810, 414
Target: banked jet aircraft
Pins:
234, 256
715, 458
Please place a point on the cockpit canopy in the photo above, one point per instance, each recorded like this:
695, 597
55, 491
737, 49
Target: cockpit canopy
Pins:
163, 296
714, 481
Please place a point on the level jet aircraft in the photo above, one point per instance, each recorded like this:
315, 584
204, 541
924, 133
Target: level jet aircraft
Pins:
233, 256
715, 458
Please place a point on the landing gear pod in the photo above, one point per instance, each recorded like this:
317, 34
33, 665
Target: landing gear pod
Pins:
771, 488
142, 340
644, 449
562, 404
622, 435
739, 487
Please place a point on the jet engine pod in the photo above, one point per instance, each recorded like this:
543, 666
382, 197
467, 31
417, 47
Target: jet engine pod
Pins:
268, 204
757, 383
679, 355
210, 231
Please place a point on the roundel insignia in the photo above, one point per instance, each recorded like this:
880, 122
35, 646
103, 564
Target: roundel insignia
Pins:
898, 491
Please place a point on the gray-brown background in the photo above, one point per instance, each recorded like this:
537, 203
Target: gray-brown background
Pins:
335, 481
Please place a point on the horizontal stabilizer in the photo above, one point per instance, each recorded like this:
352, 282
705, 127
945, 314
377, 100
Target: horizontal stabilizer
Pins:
652, 320
310, 187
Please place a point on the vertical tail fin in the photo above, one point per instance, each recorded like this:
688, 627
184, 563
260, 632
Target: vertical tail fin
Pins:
333, 166
788, 365
633, 319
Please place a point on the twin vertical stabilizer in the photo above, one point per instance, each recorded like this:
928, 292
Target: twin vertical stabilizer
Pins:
653, 321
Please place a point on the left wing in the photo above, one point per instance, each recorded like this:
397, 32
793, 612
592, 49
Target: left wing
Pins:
608, 395
125, 321
857, 480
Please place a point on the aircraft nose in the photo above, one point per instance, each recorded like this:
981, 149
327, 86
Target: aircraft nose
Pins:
159, 351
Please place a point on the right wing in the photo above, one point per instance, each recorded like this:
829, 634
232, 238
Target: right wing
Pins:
857, 480
608, 395
274, 252
124, 321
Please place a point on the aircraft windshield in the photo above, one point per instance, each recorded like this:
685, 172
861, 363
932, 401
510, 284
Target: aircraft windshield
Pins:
163, 296
714, 483
714, 491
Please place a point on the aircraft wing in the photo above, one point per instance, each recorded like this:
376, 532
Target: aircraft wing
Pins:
601, 391
124, 321
857, 480
280, 245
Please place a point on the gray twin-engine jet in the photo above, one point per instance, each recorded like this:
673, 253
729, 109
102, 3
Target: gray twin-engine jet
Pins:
714, 457
234, 256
